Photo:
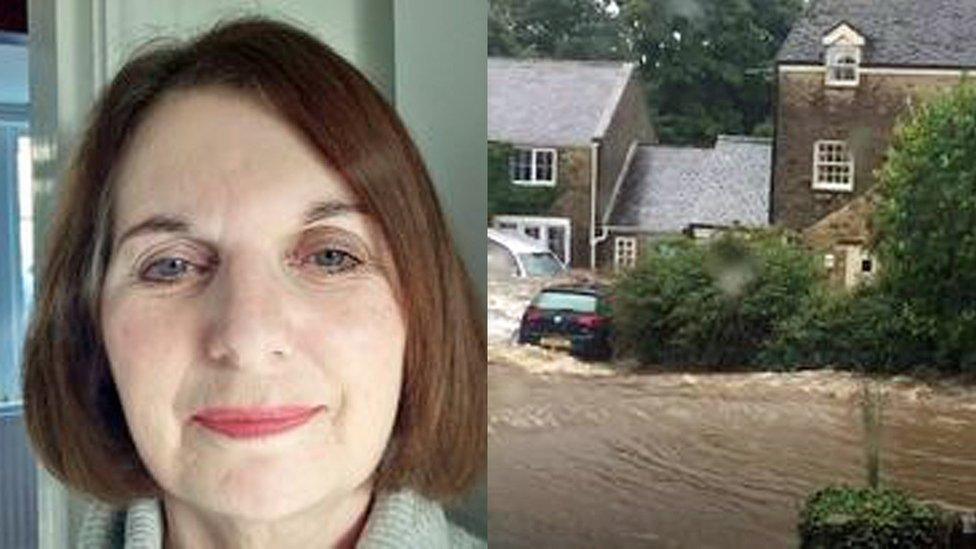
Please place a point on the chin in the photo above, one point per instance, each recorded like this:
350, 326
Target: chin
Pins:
268, 490
264, 498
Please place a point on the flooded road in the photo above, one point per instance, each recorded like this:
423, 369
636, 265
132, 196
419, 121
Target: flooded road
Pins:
593, 455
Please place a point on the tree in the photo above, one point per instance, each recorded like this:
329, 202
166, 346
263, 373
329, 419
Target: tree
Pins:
502, 39
707, 65
925, 226
558, 29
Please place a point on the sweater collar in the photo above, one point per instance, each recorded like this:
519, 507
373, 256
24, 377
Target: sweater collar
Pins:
397, 519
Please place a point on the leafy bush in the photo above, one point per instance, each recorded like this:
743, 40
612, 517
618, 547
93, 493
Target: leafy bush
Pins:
926, 222
869, 330
716, 304
840, 516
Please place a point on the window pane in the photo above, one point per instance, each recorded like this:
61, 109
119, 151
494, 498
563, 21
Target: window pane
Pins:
25, 197
14, 220
522, 165
541, 264
543, 165
556, 240
581, 303
834, 164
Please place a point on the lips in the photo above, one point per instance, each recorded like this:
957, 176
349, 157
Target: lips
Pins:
255, 422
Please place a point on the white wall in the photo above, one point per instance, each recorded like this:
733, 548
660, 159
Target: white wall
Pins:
360, 30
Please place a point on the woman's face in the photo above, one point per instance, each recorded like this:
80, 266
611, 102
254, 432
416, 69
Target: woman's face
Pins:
243, 279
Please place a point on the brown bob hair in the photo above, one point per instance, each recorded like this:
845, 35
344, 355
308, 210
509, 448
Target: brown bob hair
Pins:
73, 412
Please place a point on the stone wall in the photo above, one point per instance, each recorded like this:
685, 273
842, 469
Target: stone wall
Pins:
808, 111
845, 235
573, 177
629, 123
605, 250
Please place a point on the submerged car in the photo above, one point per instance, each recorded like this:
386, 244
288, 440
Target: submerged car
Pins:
514, 255
574, 317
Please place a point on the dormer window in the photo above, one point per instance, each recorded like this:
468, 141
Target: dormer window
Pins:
842, 56
842, 65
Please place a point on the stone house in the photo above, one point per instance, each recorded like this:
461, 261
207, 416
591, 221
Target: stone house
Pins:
572, 124
845, 73
669, 191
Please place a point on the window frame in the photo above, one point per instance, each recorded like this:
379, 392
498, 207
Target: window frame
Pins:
534, 153
15, 301
833, 61
819, 185
624, 252
520, 223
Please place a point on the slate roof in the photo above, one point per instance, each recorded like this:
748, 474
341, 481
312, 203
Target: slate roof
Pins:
666, 189
548, 102
916, 33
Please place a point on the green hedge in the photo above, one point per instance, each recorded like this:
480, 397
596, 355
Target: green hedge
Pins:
840, 516
867, 330
713, 304
756, 299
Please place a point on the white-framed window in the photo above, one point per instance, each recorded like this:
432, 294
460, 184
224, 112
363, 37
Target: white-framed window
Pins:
833, 166
842, 56
553, 232
842, 66
624, 252
533, 167
16, 249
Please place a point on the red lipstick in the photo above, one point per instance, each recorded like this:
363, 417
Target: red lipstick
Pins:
254, 422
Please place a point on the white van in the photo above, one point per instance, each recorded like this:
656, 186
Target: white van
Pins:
511, 254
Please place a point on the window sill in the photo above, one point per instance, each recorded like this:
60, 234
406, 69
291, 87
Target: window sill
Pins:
833, 189
842, 84
522, 183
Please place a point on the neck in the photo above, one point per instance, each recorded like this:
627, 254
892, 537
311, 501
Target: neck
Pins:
328, 523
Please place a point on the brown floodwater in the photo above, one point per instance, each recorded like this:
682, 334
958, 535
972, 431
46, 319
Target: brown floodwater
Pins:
595, 455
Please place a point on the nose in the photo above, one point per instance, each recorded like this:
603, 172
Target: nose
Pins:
248, 320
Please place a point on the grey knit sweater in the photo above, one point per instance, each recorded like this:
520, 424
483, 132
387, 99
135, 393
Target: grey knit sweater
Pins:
401, 519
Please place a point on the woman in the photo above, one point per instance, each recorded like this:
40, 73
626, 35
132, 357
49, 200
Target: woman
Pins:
253, 329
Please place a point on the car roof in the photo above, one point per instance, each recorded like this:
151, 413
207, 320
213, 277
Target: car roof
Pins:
579, 288
516, 243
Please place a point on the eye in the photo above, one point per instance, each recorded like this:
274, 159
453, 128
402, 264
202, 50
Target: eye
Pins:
167, 270
333, 260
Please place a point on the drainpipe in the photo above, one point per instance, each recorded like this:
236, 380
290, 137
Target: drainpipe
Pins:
604, 234
594, 172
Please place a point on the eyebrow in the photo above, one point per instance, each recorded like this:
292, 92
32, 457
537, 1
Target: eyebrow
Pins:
167, 223
324, 209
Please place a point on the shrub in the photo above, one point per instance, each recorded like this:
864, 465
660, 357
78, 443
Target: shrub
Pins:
926, 221
839, 516
716, 304
869, 330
